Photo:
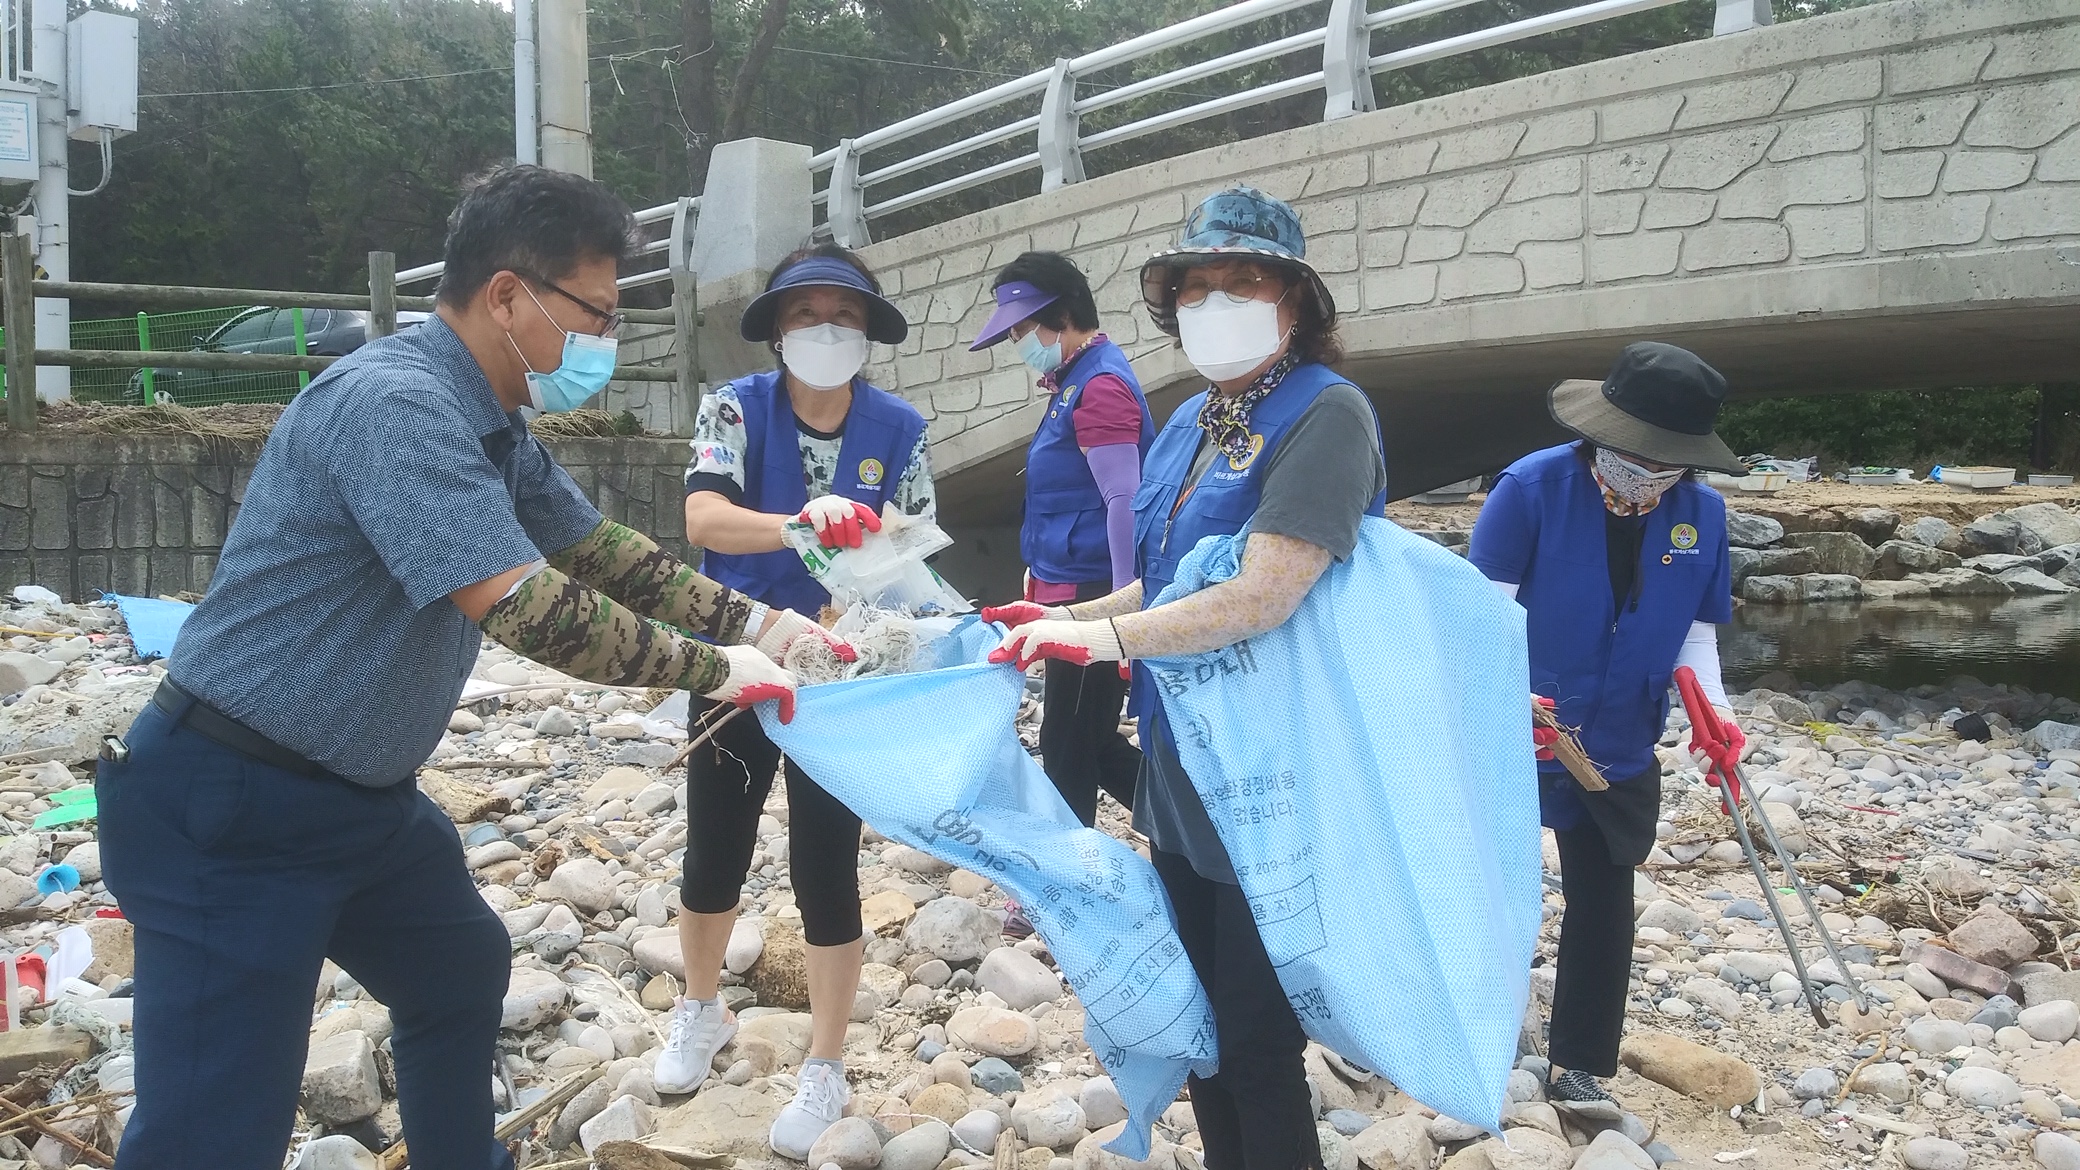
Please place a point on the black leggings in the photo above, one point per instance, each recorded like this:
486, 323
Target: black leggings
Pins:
728, 779
1080, 744
1255, 1114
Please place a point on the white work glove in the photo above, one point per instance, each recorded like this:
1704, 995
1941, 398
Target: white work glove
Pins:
840, 522
1077, 643
754, 678
790, 627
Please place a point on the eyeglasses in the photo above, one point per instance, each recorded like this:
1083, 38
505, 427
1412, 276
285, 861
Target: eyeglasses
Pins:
610, 323
1242, 285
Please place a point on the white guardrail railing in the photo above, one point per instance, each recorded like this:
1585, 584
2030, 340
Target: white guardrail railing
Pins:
1343, 44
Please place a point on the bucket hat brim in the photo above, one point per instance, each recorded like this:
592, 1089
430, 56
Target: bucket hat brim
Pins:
1156, 277
1579, 405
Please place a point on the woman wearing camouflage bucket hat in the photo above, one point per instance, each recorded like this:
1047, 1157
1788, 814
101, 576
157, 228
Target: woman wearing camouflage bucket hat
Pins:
1281, 445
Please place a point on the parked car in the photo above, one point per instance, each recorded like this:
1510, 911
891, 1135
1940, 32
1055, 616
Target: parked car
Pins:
326, 333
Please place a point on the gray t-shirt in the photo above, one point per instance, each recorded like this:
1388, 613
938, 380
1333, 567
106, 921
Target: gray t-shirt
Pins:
1321, 476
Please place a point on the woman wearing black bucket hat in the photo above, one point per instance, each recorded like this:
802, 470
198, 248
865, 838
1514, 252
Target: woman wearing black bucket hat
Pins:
1284, 446
1620, 560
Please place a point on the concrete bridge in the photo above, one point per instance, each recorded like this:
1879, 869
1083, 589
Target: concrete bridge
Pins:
1887, 197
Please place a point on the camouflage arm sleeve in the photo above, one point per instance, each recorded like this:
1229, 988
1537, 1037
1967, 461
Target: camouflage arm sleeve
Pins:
629, 567
558, 622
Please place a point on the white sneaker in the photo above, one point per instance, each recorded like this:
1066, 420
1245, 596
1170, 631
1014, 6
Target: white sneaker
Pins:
819, 1101
699, 1030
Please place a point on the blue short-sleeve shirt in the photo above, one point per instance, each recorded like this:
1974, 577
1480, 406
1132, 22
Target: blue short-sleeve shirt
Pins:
395, 479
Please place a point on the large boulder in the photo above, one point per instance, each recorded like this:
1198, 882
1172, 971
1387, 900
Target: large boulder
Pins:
2052, 524
1881, 590
2054, 560
1962, 583
1932, 531
2025, 581
1836, 552
1745, 530
2001, 533
1807, 587
1900, 559
1874, 525
1770, 562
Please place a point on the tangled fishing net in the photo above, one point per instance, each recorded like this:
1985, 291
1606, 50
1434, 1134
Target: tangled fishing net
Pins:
888, 642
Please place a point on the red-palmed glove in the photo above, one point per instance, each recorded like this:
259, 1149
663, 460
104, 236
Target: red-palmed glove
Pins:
1019, 613
1077, 643
839, 522
1543, 738
1712, 764
754, 678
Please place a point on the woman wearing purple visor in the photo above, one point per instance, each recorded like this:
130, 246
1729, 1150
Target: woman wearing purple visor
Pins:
1077, 536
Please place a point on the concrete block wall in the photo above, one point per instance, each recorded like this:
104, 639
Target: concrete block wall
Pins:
147, 514
1770, 172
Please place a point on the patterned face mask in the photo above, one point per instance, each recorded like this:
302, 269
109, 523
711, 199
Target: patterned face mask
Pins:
1628, 488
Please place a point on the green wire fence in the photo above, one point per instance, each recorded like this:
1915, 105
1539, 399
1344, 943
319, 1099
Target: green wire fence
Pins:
283, 331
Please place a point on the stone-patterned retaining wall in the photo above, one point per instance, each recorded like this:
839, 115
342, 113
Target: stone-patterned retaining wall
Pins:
147, 515
1836, 165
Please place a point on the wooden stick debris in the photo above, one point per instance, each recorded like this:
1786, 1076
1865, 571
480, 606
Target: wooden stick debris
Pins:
397, 1156
703, 737
22, 1121
87, 1152
1568, 749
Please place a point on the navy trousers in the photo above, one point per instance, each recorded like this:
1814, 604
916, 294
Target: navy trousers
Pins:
241, 879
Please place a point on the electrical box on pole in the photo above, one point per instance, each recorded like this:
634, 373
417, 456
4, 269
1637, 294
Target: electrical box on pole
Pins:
101, 76
19, 157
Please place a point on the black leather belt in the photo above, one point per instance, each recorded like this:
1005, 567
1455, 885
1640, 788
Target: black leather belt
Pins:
205, 720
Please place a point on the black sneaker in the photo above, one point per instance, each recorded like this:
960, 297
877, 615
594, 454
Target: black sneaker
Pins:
1577, 1087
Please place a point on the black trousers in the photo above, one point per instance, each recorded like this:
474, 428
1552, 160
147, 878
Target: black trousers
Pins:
728, 779
1081, 748
1595, 964
1255, 1114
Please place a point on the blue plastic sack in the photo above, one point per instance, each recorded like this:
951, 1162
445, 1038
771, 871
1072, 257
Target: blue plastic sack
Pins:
932, 760
1368, 766
154, 624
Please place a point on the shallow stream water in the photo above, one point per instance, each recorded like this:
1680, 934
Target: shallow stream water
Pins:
2030, 641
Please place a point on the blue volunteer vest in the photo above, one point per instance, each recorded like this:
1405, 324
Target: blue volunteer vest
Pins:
1063, 538
1608, 665
881, 431
1222, 503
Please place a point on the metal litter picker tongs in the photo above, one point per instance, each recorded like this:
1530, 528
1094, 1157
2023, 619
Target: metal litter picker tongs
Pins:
1709, 736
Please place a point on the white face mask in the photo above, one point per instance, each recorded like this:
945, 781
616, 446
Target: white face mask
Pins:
824, 357
1226, 338
1636, 485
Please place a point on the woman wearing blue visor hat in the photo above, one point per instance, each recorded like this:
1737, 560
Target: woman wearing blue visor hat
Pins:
1278, 443
816, 442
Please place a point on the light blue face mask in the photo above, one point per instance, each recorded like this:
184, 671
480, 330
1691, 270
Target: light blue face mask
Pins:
586, 368
1044, 359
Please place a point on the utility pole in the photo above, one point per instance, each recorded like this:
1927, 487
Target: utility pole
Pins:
566, 98
526, 134
53, 202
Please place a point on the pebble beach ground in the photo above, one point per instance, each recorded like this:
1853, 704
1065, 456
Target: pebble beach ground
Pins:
1946, 869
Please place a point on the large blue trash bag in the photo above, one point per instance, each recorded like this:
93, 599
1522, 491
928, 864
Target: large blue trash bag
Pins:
154, 624
932, 760
1368, 765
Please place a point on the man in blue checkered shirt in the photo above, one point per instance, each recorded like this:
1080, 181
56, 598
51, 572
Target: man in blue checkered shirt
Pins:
262, 818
